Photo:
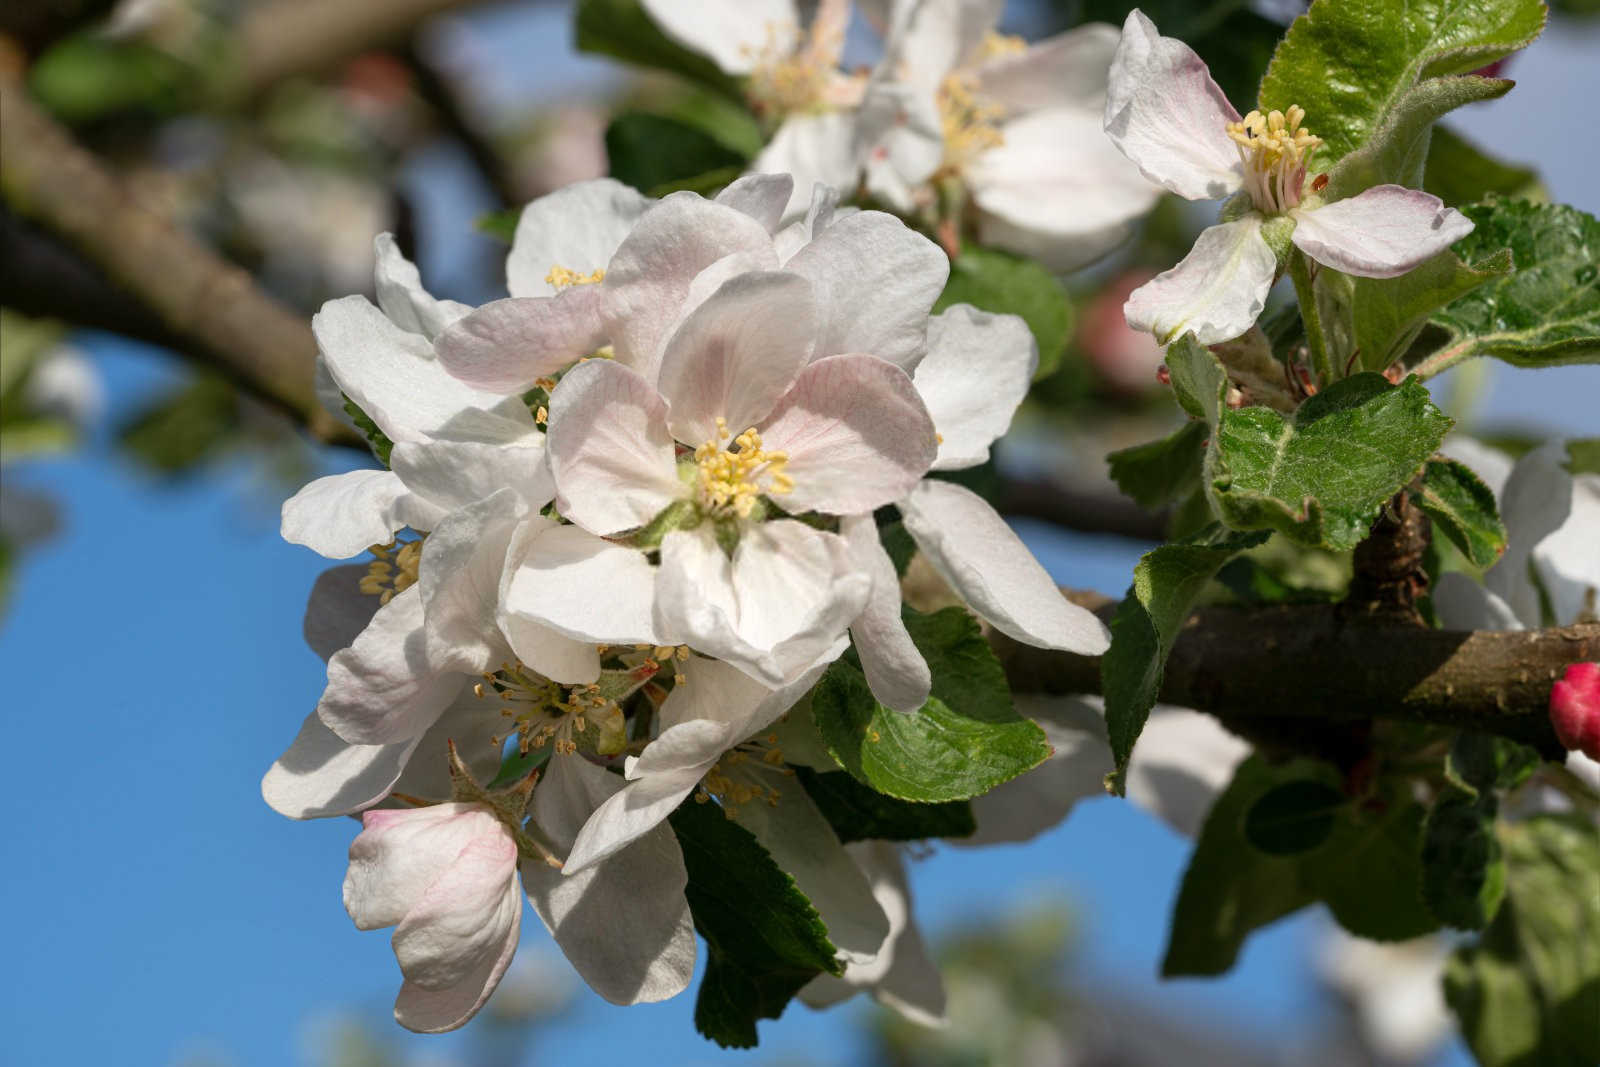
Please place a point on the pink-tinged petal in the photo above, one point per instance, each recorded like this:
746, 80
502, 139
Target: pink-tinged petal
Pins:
448, 475
1080, 759
588, 589
640, 808
1069, 69
736, 353
343, 515
988, 565
623, 922
781, 604
899, 139
875, 280
856, 433
462, 562
763, 195
1218, 290
895, 670
648, 280
392, 375
609, 448
337, 610
506, 345
578, 228
977, 371
1575, 709
818, 216
384, 688
1064, 208
402, 297
320, 774
1380, 233
816, 150
1183, 760
735, 34
437, 1011
400, 852
1166, 114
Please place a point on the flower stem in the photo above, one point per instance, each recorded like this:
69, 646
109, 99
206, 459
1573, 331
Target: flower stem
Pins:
1305, 293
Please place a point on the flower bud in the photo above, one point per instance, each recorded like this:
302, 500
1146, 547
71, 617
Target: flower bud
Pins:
1575, 709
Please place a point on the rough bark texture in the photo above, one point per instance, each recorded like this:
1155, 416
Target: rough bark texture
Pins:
1389, 576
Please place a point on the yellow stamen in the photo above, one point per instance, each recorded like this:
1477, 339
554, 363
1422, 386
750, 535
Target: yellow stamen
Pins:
731, 481
1275, 150
394, 570
565, 278
970, 123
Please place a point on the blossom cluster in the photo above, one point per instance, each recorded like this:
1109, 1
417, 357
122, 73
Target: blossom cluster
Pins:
631, 513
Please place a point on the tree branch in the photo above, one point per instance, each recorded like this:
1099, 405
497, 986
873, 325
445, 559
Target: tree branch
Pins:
1314, 662
1083, 510
214, 307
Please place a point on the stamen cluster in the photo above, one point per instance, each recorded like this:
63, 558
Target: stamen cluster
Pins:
393, 571
732, 480
1274, 149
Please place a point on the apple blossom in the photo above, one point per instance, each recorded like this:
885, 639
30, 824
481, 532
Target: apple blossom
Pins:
1575, 709
1168, 116
1015, 126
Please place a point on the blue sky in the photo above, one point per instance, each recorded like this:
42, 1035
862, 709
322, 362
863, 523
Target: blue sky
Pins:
153, 668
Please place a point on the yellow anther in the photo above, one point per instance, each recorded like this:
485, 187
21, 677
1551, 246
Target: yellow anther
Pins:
732, 480
999, 45
393, 571
565, 278
541, 415
1275, 150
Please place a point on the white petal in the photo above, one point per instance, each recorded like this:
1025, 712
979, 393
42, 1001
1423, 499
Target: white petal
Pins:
1218, 290
1463, 604
578, 227
392, 375
819, 215
1166, 114
320, 774
816, 150
801, 842
471, 723
1068, 69
402, 297
976, 373
781, 603
384, 688
875, 281
899, 139
927, 41
400, 852
337, 610
1057, 189
585, 587
681, 756
711, 691
649, 278
452, 474
1568, 561
1537, 502
462, 562
974, 550
435, 1011
609, 448
624, 922
343, 515
856, 434
506, 345
733, 33
736, 353
764, 195
1182, 761
1032, 803
1380, 233
895, 670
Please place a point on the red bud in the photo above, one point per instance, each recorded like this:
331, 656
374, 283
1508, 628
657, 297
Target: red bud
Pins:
1575, 709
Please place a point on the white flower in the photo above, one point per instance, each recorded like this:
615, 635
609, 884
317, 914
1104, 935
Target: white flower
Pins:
1396, 990
758, 414
1167, 115
1017, 125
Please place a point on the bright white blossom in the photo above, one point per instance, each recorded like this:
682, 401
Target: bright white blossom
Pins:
1167, 115
1016, 126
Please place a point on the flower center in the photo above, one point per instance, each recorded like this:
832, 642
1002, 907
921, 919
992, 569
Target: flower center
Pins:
970, 124
541, 711
565, 277
747, 772
394, 570
1275, 150
732, 479
804, 78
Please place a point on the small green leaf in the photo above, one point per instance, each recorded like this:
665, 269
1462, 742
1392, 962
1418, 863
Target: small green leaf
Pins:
1160, 472
1166, 582
964, 741
1463, 873
1292, 818
1198, 379
1480, 763
1320, 475
858, 812
1464, 509
1397, 148
1545, 312
1460, 173
1008, 284
381, 445
184, 428
648, 151
92, 76
1369, 871
501, 225
1528, 992
764, 938
622, 28
1583, 456
1389, 313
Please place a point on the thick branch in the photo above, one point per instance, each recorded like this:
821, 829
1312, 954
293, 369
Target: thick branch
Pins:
1314, 662
212, 305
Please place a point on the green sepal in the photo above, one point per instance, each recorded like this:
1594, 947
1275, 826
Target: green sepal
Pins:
376, 438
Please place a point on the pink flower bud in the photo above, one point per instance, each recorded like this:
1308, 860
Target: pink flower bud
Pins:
1575, 709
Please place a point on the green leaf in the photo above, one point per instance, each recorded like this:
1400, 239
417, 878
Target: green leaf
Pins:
1389, 313
1479, 763
91, 76
1365, 72
1320, 475
648, 151
381, 445
1293, 817
622, 28
1008, 284
184, 428
501, 225
1369, 871
964, 741
1546, 312
1460, 173
858, 812
1160, 472
1463, 872
1583, 456
1464, 509
1528, 992
1198, 379
1166, 582
765, 940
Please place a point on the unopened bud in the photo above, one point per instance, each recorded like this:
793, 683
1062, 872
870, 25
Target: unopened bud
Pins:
1575, 709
